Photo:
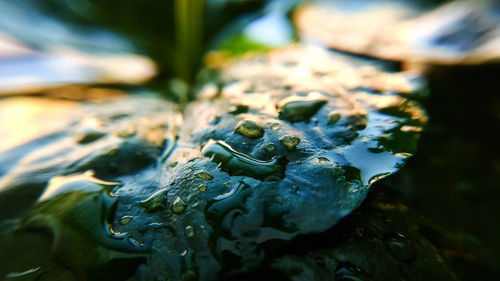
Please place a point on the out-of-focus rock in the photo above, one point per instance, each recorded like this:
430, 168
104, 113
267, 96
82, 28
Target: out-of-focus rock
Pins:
460, 32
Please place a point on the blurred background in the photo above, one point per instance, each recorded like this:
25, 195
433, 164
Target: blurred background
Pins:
70, 50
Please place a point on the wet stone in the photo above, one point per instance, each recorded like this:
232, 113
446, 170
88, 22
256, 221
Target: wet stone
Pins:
267, 201
249, 129
274, 200
290, 142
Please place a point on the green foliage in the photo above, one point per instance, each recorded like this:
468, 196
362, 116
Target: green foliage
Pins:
240, 44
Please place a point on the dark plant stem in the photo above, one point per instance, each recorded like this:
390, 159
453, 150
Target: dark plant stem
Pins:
189, 40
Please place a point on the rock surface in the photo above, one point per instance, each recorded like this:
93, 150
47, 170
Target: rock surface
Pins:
248, 169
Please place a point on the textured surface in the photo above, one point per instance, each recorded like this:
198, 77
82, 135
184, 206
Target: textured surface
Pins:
288, 146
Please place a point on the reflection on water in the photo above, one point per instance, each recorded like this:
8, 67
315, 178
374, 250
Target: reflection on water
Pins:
239, 164
78, 212
21, 119
84, 206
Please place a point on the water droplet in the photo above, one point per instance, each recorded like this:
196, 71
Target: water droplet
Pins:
155, 202
297, 109
202, 188
156, 225
89, 136
127, 132
189, 231
30, 274
270, 147
400, 247
275, 126
358, 121
134, 242
333, 117
323, 160
236, 163
188, 266
403, 155
249, 128
378, 177
204, 175
112, 151
289, 142
125, 220
111, 232
411, 129
178, 206
224, 207
238, 109
83, 182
